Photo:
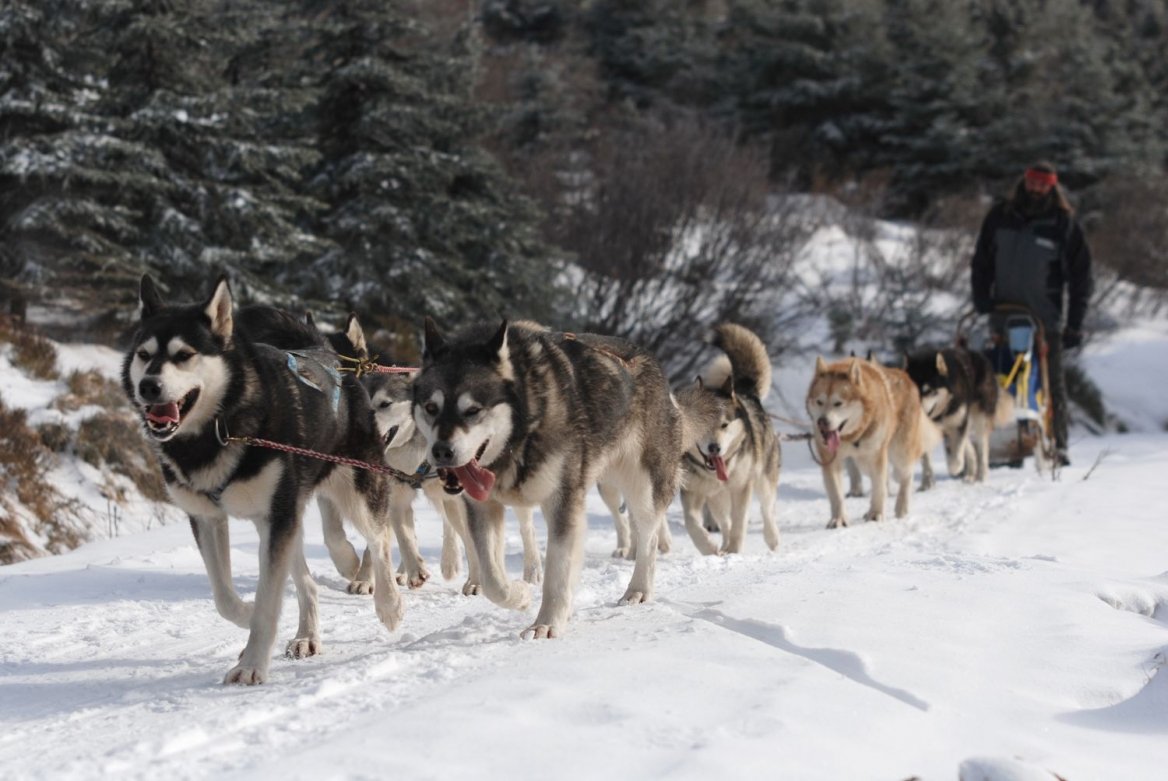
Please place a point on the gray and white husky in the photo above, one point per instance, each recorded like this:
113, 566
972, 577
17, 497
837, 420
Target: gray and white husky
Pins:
406, 449
521, 416
198, 381
737, 456
413, 572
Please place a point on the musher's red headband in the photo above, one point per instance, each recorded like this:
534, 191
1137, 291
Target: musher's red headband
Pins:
1036, 176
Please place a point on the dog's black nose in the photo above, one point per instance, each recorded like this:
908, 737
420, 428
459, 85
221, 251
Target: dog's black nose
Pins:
713, 448
149, 389
443, 453
822, 422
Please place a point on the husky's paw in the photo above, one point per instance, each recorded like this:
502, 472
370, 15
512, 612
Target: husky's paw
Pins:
873, 517
836, 523
360, 587
533, 572
623, 553
450, 568
417, 579
390, 611
401, 578
246, 675
854, 493
471, 589
928, 482
664, 543
303, 647
633, 597
771, 539
541, 632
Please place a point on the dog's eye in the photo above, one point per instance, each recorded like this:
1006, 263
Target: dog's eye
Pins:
383, 405
725, 425
143, 355
182, 356
471, 412
837, 404
431, 408
819, 402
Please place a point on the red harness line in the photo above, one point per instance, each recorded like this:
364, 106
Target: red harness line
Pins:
359, 367
225, 438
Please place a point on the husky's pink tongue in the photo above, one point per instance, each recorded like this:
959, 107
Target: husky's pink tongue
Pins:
720, 468
162, 413
475, 480
832, 441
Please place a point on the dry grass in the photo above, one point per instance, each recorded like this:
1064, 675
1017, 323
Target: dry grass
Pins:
24, 465
114, 441
14, 545
32, 353
90, 387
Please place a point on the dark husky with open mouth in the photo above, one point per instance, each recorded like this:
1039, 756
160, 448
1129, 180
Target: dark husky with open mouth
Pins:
200, 383
521, 416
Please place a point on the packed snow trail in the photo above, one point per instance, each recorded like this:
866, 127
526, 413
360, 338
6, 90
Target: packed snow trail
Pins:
1021, 621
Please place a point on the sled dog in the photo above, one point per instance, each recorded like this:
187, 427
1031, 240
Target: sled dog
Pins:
873, 415
737, 456
199, 381
350, 342
523, 416
406, 449
960, 393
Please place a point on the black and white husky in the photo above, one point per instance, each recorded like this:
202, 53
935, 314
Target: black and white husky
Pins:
198, 381
737, 456
527, 417
960, 393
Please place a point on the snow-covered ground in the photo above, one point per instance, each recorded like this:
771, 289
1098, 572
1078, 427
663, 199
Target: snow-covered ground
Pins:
1006, 630
1022, 620
1010, 630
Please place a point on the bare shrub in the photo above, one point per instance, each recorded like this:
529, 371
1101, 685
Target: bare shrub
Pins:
1129, 243
90, 387
907, 285
114, 441
673, 229
55, 436
32, 353
24, 465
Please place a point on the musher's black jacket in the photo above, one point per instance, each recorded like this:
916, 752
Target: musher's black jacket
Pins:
1029, 260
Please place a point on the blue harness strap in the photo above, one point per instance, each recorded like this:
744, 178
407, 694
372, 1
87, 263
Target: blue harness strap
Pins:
311, 368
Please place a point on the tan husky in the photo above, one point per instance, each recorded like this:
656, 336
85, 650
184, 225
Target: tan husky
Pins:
873, 415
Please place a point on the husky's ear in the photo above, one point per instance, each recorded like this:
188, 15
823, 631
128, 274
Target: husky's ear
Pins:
820, 365
497, 346
309, 320
149, 300
434, 344
728, 386
942, 369
854, 374
218, 310
356, 336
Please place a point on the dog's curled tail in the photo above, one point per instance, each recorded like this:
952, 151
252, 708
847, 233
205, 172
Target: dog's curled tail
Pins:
749, 361
1004, 409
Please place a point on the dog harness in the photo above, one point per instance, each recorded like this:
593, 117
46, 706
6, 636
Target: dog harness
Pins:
308, 367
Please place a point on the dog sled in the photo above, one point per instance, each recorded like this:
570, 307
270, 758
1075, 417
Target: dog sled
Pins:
1017, 349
